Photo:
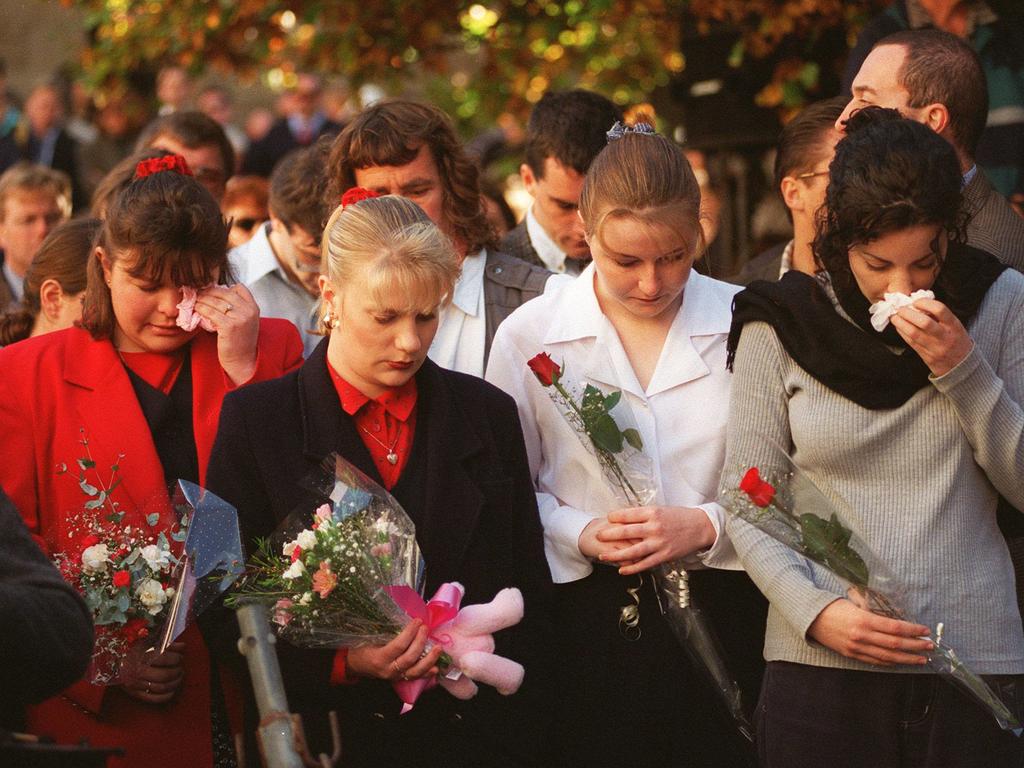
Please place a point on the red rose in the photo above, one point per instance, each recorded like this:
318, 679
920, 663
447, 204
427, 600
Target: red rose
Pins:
760, 492
545, 369
355, 194
149, 166
122, 579
90, 541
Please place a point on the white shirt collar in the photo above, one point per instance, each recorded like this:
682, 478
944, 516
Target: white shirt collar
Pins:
969, 176
468, 294
542, 243
253, 259
786, 264
703, 311
15, 283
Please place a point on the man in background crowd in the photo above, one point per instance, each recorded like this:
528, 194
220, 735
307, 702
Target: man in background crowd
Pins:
200, 140
937, 79
303, 123
566, 131
402, 147
281, 263
805, 150
33, 200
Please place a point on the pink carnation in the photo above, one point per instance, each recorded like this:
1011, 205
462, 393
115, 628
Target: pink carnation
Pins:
282, 614
324, 581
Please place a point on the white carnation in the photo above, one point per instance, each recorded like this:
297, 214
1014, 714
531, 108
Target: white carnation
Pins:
295, 570
151, 594
306, 540
94, 558
156, 558
289, 548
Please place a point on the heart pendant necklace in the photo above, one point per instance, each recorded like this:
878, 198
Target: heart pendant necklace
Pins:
391, 456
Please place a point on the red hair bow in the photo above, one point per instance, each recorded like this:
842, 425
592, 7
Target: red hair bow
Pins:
355, 194
151, 165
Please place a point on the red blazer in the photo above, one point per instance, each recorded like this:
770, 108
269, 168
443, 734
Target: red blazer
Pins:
55, 389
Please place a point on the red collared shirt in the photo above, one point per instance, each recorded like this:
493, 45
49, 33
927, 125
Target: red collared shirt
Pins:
391, 419
386, 423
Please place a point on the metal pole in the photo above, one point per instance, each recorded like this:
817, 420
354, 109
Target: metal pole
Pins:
276, 734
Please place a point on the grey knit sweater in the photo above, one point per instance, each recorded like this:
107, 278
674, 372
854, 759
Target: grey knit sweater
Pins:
918, 483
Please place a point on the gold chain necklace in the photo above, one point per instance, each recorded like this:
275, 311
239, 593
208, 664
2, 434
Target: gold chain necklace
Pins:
392, 457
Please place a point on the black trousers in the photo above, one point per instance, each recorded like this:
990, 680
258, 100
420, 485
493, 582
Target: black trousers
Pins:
636, 703
810, 717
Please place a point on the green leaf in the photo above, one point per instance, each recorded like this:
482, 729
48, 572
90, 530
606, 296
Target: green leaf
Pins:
87, 489
605, 434
152, 519
86, 464
612, 400
93, 504
633, 438
828, 543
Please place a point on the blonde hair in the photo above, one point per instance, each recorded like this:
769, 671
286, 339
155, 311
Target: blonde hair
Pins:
28, 178
644, 176
391, 243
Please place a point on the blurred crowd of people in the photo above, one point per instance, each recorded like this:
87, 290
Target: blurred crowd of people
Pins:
188, 295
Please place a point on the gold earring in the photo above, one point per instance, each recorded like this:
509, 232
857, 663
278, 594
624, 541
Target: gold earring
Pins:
329, 320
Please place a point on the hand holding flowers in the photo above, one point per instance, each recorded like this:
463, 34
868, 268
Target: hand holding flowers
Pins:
654, 535
409, 656
151, 677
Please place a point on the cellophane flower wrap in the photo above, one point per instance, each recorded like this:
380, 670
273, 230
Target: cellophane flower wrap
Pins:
784, 503
122, 562
211, 559
618, 447
325, 572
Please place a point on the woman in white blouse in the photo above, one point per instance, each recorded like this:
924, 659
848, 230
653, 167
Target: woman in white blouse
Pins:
639, 320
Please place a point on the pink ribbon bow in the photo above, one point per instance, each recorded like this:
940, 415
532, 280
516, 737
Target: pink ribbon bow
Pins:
442, 608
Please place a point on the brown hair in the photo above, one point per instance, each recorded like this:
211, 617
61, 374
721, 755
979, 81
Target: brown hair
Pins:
30, 177
646, 176
194, 130
298, 189
940, 68
401, 249
166, 225
391, 132
62, 257
254, 189
569, 127
117, 178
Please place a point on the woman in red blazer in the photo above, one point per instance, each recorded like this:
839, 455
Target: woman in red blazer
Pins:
133, 388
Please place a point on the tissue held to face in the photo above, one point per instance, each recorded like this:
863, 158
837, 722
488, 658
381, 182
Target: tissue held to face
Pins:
903, 261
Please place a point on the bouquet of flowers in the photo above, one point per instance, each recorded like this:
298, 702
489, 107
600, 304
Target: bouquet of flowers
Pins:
121, 564
630, 474
769, 501
350, 572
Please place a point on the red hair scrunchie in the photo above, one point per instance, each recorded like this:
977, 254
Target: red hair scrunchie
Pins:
151, 165
353, 195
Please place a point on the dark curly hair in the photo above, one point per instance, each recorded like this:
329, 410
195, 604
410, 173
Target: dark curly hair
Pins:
889, 173
391, 132
166, 225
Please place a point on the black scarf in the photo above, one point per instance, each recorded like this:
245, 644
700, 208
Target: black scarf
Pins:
854, 360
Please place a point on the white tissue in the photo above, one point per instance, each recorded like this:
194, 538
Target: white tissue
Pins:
882, 311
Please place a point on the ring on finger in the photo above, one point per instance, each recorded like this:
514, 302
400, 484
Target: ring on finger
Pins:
398, 670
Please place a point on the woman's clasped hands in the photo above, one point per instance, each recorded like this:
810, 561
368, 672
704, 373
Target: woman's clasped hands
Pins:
639, 538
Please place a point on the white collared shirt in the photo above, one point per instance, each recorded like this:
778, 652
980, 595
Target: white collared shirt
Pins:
681, 416
550, 254
257, 268
15, 283
462, 331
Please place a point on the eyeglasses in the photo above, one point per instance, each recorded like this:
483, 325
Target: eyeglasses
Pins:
812, 174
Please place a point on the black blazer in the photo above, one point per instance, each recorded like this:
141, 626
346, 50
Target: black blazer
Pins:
478, 525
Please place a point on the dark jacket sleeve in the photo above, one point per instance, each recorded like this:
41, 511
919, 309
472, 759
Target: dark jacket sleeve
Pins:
45, 630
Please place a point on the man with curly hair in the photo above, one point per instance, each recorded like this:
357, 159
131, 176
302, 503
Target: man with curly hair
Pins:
403, 147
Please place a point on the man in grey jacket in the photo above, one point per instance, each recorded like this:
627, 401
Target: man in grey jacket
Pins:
936, 78
407, 148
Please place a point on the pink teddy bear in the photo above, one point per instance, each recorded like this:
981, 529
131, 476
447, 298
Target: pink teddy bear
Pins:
468, 639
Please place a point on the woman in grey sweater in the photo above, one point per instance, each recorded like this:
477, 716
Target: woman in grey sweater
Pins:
915, 431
